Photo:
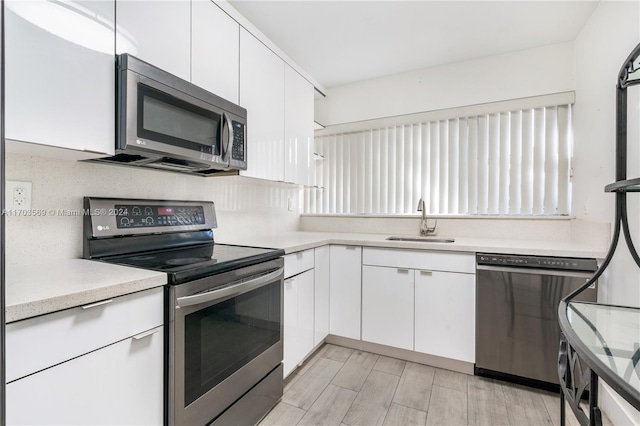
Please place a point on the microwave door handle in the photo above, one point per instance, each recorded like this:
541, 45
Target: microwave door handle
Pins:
227, 143
230, 291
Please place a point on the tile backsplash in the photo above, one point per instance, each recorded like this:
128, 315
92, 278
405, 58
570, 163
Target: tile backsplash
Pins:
244, 206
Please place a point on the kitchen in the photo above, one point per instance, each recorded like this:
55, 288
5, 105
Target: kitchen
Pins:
259, 208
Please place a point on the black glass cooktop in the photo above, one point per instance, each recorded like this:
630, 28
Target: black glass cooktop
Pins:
191, 263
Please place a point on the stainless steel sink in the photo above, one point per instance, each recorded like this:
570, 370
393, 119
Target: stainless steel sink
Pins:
422, 239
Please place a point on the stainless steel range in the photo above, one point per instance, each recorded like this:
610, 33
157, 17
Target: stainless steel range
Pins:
223, 305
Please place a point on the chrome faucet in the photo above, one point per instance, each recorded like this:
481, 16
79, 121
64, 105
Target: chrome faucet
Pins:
424, 228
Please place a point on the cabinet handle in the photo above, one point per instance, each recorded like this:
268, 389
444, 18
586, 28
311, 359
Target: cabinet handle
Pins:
351, 247
403, 271
289, 280
426, 272
146, 333
93, 305
299, 255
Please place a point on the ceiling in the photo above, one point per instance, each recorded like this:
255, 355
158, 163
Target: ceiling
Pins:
340, 42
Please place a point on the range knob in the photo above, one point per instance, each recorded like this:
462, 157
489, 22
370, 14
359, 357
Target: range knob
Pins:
124, 221
149, 220
136, 211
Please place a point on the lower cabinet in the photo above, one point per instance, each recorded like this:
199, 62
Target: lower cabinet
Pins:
98, 363
445, 307
387, 306
420, 300
345, 291
321, 293
119, 384
298, 319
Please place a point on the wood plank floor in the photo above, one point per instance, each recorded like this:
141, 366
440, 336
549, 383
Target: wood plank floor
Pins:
342, 386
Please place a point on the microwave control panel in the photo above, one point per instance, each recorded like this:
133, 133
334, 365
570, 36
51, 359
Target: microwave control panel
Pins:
140, 216
237, 150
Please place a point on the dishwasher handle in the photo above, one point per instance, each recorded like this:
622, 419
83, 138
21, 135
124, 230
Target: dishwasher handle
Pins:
536, 271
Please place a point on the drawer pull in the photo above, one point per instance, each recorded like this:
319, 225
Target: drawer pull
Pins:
289, 280
299, 255
93, 305
146, 334
403, 271
351, 247
426, 272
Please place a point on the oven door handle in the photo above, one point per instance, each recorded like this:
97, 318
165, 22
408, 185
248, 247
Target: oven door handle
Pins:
229, 291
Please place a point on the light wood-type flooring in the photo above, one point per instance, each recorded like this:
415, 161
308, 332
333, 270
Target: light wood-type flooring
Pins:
342, 386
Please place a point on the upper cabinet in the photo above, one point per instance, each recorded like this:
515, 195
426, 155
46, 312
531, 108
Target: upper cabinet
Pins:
215, 50
262, 94
157, 32
60, 80
298, 129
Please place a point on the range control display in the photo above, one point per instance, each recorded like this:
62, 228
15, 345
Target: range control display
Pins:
141, 216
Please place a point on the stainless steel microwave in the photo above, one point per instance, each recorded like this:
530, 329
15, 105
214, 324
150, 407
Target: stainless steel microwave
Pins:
166, 123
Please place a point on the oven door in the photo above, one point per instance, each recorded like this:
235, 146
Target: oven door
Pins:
224, 342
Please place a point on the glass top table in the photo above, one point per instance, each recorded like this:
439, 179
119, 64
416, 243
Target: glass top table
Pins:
609, 337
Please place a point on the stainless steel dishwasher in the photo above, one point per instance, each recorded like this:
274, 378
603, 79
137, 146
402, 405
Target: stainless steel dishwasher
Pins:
517, 297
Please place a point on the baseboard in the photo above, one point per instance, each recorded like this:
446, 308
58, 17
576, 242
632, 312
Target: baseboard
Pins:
619, 411
404, 354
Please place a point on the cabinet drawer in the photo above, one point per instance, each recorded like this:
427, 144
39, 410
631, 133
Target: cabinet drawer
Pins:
296, 263
41, 342
420, 259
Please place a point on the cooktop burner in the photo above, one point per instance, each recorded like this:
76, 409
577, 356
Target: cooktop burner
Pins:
189, 263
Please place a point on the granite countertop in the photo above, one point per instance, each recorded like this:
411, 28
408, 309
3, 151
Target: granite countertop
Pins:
40, 289
292, 242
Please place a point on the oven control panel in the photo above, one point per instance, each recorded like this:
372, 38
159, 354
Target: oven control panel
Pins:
140, 215
119, 217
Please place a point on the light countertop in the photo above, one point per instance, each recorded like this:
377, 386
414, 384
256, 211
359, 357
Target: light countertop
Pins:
49, 287
296, 241
39, 289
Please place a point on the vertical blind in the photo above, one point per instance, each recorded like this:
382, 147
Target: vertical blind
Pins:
507, 163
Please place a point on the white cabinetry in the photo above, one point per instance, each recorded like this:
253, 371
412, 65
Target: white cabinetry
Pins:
438, 288
445, 314
298, 308
345, 291
102, 362
215, 50
156, 31
262, 94
119, 384
387, 306
60, 83
298, 129
321, 293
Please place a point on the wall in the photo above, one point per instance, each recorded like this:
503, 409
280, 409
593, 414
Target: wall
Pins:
244, 206
603, 44
531, 72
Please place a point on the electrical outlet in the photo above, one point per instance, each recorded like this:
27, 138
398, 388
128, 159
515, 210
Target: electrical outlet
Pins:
17, 195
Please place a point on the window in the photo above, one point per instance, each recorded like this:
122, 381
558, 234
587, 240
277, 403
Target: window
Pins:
512, 162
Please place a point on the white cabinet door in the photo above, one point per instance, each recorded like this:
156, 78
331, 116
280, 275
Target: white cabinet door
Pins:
215, 50
321, 294
290, 322
60, 74
262, 94
445, 314
298, 319
298, 129
156, 31
119, 384
345, 291
387, 306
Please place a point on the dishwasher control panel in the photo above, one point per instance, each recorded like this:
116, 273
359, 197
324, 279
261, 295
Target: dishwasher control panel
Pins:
539, 262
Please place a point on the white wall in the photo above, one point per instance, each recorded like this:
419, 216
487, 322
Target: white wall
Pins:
543, 70
600, 49
244, 206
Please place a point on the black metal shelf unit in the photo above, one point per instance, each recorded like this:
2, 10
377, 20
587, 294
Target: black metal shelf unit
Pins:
582, 362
